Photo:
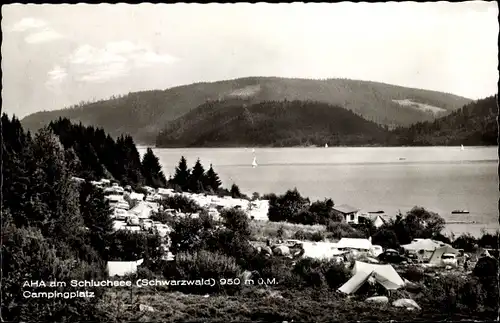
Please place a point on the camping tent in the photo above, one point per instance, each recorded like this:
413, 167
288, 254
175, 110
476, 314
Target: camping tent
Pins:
385, 275
424, 248
436, 255
122, 268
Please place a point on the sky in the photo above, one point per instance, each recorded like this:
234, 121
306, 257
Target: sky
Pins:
54, 56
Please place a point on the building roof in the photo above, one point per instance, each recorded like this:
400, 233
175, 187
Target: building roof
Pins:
346, 209
354, 243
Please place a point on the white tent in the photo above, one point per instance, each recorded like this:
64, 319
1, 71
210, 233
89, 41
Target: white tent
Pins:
321, 250
354, 243
423, 247
385, 275
122, 268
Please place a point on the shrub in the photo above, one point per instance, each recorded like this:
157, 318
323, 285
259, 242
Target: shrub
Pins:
191, 234
486, 269
206, 265
182, 203
321, 273
237, 221
466, 242
317, 236
131, 246
343, 230
413, 274
386, 238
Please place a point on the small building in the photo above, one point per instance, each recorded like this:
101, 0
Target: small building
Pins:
350, 213
375, 219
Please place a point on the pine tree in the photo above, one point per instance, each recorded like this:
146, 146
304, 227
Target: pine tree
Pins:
197, 177
212, 180
133, 162
235, 191
182, 174
96, 214
54, 203
152, 170
16, 149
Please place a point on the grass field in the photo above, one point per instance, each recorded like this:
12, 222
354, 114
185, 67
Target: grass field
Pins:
266, 229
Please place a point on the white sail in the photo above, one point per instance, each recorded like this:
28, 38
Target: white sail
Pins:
326, 145
462, 147
254, 163
253, 150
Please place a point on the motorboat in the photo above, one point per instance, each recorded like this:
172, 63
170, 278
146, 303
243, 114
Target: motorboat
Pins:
460, 212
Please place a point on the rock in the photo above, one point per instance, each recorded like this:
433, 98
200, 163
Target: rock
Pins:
246, 275
406, 302
274, 294
146, 308
377, 299
281, 251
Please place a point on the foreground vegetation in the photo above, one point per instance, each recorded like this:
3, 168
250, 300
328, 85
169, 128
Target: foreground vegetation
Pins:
300, 307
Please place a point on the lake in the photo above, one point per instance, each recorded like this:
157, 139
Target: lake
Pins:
440, 179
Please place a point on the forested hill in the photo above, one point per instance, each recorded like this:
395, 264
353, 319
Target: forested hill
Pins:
474, 124
280, 124
144, 114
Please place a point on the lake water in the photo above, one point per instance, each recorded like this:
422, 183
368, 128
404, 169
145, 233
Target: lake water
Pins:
440, 179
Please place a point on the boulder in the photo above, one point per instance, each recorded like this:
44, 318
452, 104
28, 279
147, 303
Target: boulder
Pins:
145, 308
377, 300
281, 251
406, 302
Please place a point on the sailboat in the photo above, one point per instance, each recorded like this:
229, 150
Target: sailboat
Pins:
254, 162
462, 147
326, 145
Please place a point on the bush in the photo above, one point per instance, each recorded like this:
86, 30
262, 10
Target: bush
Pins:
486, 269
386, 238
269, 268
181, 203
310, 236
413, 274
343, 230
206, 265
237, 221
131, 246
191, 234
466, 242
321, 273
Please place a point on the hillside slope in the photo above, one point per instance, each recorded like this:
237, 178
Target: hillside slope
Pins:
475, 124
271, 123
144, 114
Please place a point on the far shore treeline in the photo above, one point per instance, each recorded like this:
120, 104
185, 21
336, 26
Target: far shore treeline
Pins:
56, 229
233, 123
